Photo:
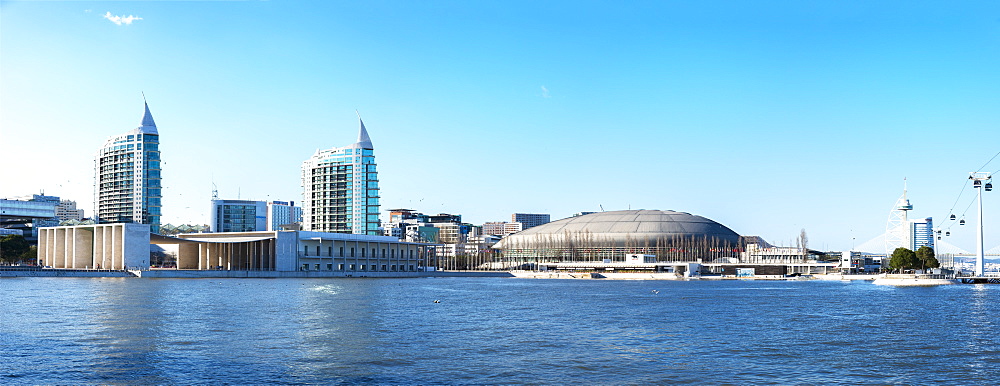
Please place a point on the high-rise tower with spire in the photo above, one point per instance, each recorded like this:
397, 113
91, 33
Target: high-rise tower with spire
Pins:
340, 189
127, 176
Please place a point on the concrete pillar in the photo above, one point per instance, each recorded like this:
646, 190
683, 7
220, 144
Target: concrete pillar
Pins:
83, 248
60, 252
187, 255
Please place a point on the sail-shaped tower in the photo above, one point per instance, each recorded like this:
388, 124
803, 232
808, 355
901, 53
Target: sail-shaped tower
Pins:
127, 176
340, 191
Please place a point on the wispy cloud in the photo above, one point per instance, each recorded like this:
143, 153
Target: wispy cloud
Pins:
545, 92
121, 19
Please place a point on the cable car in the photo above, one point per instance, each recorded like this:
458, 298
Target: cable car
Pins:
977, 183
952, 217
989, 186
947, 233
962, 222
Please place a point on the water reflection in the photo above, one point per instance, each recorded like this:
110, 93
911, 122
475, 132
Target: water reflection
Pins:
252, 331
122, 332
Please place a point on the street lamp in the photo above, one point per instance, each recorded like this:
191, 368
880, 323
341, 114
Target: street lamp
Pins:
978, 180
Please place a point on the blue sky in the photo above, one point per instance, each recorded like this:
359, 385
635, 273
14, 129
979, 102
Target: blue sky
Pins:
768, 117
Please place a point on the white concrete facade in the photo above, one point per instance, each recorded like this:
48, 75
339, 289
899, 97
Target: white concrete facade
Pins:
127, 246
104, 246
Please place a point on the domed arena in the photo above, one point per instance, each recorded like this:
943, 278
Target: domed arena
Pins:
665, 234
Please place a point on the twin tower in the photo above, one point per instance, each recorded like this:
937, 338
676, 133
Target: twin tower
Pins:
340, 185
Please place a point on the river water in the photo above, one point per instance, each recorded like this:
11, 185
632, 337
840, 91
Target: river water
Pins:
493, 330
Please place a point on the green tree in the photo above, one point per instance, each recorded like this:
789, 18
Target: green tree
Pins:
927, 258
903, 258
13, 248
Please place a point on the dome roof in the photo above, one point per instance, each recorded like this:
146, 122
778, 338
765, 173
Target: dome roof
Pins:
624, 226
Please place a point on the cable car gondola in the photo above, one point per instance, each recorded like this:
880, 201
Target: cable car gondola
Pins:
989, 186
952, 217
962, 222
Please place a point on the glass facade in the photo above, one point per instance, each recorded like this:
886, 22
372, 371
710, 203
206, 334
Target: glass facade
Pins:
127, 177
341, 191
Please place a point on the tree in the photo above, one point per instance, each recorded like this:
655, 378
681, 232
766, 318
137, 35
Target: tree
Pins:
903, 258
803, 243
13, 248
926, 257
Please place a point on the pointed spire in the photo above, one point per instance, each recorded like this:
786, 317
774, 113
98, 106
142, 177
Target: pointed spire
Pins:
363, 139
148, 126
147, 118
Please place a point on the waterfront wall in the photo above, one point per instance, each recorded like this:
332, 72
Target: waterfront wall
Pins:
63, 273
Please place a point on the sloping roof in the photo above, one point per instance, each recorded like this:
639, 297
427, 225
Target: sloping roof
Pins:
217, 238
363, 140
148, 126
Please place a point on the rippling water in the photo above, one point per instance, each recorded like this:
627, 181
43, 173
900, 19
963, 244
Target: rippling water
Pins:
490, 330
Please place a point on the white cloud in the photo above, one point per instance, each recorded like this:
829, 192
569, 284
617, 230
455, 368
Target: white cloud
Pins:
121, 19
545, 92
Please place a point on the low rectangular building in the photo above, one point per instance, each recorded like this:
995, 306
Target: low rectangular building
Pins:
98, 246
127, 246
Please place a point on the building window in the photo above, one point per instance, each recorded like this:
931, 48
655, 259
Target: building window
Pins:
341, 251
317, 251
352, 255
305, 250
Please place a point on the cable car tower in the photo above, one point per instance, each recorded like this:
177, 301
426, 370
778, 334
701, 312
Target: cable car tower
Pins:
980, 182
897, 228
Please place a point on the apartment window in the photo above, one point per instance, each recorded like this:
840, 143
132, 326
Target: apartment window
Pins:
305, 250
352, 255
317, 251
341, 251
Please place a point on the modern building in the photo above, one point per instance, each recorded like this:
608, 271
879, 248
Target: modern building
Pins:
26, 214
648, 241
96, 246
669, 235
921, 233
340, 189
283, 214
253, 216
127, 246
66, 210
238, 216
530, 220
127, 177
